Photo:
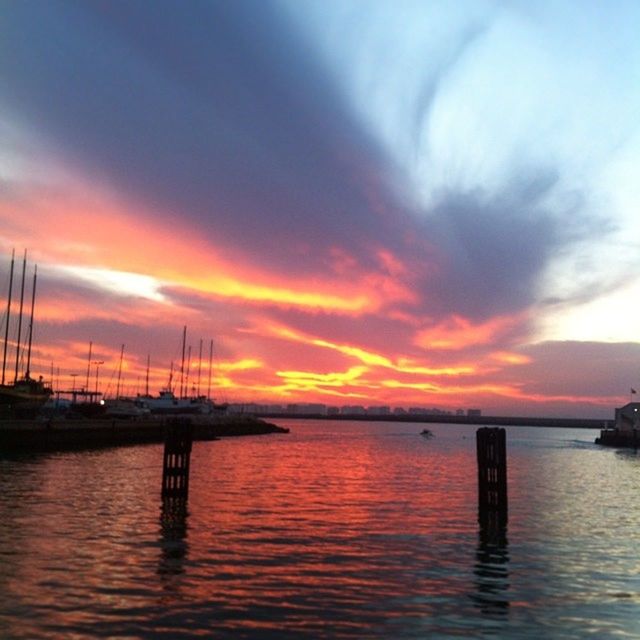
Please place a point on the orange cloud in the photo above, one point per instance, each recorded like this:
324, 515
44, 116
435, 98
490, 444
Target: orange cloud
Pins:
458, 332
240, 365
336, 379
508, 357
401, 364
88, 233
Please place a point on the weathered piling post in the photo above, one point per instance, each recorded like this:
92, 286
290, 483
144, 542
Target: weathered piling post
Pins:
492, 469
492, 557
178, 438
175, 467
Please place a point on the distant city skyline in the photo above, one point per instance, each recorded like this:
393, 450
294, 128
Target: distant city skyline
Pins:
397, 203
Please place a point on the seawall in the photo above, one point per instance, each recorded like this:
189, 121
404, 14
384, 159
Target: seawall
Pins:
61, 434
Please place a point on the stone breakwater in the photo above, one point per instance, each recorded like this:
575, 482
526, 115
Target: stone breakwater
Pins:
60, 434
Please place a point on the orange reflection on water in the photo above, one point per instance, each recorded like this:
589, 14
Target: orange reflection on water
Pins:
331, 519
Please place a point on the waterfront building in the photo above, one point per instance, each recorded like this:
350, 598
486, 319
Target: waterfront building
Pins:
628, 417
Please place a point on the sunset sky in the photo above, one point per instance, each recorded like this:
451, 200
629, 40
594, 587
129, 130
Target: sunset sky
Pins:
409, 203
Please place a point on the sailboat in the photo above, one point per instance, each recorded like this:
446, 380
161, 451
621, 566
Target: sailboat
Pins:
24, 395
166, 402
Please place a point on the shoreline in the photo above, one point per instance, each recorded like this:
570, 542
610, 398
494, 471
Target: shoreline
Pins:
565, 423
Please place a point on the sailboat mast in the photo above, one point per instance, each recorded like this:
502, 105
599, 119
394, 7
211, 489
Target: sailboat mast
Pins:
88, 366
184, 341
33, 306
186, 384
6, 331
210, 366
24, 269
119, 372
146, 386
199, 367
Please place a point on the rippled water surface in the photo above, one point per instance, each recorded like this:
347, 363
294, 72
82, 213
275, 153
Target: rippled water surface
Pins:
336, 530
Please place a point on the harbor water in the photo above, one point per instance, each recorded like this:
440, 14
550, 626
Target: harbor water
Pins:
336, 530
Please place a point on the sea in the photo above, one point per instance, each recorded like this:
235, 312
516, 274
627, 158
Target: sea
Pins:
338, 529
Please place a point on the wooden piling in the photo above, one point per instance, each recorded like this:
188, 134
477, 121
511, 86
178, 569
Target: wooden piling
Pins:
175, 467
492, 469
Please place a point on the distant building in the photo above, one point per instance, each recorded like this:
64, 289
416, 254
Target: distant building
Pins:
307, 409
399, 411
378, 411
628, 417
353, 410
474, 412
250, 408
459, 412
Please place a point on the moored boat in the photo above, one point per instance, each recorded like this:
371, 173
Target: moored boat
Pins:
25, 395
126, 408
166, 403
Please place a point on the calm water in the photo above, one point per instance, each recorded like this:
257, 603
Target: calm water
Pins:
336, 530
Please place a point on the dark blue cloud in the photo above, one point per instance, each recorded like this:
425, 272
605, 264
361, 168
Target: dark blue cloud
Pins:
219, 117
213, 112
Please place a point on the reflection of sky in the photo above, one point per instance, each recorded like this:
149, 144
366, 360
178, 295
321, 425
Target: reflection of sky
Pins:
388, 203
370, 524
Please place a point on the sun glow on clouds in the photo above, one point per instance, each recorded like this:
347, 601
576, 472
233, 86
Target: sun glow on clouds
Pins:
302, 379
88, 226
120, 282
401, 365
417, 381
276, 294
